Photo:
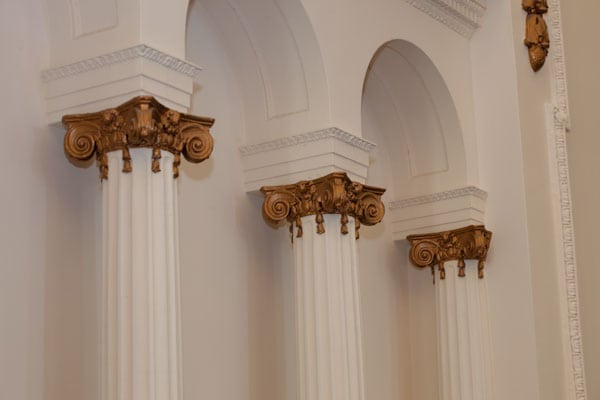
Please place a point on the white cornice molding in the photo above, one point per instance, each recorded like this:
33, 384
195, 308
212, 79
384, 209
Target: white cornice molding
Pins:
141, 51
108, 80
559, 84
437, 212
462, 16
305, 156
437, 197
557, 125
308, 137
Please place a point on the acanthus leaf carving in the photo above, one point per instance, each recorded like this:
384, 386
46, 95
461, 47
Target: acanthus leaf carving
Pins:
332, 194
141, 122
434, 249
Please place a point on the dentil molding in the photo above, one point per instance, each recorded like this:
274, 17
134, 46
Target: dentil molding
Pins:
559, 83
462, 16
557, 127
289, 141
136, 52
303, 157
440, 211
109, 79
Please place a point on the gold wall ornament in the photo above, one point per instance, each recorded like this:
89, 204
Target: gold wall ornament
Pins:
140, 122
332, 194
434, 249
537, 39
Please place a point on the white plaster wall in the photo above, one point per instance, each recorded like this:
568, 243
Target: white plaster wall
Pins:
237, 293
551, 336
276, 59
238, 301
397, 300
237, 298
80, 29
506, 166
407, 105
349, 39
47, 228
580, 33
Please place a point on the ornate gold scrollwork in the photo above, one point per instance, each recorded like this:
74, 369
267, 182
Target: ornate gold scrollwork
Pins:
537, 39
332, 194
141, 122
434, 249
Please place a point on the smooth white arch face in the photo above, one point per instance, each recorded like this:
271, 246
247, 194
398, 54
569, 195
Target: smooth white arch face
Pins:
275, 57
408, 110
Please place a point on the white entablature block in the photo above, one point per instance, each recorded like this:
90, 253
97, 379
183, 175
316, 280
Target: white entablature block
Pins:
103, 53
437, 212
110, 79
305, 156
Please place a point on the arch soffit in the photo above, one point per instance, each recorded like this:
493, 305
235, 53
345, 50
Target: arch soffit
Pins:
277, 62
408, 107
271, 43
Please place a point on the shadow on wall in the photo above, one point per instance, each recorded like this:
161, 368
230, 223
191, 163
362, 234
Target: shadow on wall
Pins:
71, 257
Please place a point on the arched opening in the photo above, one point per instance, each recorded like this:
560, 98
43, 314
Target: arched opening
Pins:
408, 110
273, 53
262, 79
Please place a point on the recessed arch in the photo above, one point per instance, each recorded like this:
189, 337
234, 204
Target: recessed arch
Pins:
274, 54
407, 108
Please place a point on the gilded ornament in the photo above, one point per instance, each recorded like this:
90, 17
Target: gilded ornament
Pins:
332, 194
434, 249
141, 122
537, 39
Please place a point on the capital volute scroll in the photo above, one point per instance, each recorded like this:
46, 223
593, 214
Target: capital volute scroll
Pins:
140, 122
434, 249
332, 194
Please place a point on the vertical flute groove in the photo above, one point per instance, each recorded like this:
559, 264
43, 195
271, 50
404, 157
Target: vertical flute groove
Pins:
328, 313
140, 339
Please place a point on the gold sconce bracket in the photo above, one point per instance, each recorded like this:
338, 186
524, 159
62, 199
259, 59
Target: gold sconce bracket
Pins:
537, 39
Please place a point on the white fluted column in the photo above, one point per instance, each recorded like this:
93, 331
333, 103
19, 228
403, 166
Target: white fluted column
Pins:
463, 336
138, 147
141, 342
328, 313
464, 340
325, 215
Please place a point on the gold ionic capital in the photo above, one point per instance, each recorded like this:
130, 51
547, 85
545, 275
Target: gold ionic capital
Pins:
434, 249
140, 122
332, 194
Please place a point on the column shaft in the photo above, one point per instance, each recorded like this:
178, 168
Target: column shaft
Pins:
463, 336
330, 365
324, 216
140, 349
